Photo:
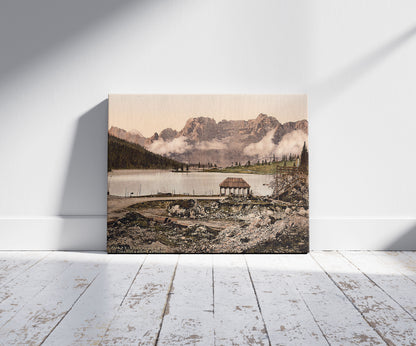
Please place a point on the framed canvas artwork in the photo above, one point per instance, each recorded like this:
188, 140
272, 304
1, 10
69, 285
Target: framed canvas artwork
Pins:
208, 174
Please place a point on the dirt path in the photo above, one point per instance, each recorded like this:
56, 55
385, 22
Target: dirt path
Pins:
161, 215
115, 203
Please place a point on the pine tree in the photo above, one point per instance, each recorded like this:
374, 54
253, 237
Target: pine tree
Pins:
304, 158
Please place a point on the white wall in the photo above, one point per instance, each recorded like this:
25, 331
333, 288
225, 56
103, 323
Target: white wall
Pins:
355, 59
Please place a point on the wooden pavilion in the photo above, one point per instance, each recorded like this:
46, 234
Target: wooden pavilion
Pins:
234, 186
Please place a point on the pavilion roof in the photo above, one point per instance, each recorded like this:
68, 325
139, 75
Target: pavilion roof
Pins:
234, 182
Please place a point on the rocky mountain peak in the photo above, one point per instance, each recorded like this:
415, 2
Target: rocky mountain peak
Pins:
199, 129
168, 134
150, 140
262, 116
155, 137
263, 124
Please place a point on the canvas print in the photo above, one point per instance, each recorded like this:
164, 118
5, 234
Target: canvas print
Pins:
208, 174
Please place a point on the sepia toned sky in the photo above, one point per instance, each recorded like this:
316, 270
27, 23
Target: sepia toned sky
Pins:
152, 113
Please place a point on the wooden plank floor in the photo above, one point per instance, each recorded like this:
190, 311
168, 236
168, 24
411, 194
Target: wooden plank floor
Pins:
87, 298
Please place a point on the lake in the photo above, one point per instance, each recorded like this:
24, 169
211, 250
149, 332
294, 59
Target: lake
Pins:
143, 182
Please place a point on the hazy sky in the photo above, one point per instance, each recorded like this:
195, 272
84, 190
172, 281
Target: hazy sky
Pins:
153, 113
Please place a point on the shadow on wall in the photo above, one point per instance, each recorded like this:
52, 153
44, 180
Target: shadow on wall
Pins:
83, 204
326, 91
25, 27
406, 242
322, 93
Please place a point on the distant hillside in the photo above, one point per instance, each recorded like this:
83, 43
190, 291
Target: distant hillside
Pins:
133, 136
122, 154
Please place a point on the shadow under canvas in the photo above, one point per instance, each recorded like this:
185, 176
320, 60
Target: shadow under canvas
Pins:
83, 203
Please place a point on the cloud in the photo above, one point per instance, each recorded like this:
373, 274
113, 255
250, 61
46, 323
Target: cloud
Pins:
176, 146
291, 143
265, 147
180, 145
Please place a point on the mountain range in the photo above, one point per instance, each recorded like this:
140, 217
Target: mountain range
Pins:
204, 140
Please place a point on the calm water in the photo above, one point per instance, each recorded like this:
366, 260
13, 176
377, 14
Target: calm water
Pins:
138, 182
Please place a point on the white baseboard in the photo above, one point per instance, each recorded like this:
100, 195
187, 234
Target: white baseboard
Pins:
89, 233
363, 234
54, 233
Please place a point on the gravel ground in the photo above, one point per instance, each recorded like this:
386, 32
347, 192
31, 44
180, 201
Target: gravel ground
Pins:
206, 225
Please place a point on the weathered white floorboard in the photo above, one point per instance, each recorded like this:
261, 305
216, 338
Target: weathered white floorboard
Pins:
410, 254
403, 262
32, 324
326, 297
15, 294
238, 320
189, 314
90, 317
388, 318
139, 318
12, 264
339, 321
386, 276
288, 319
